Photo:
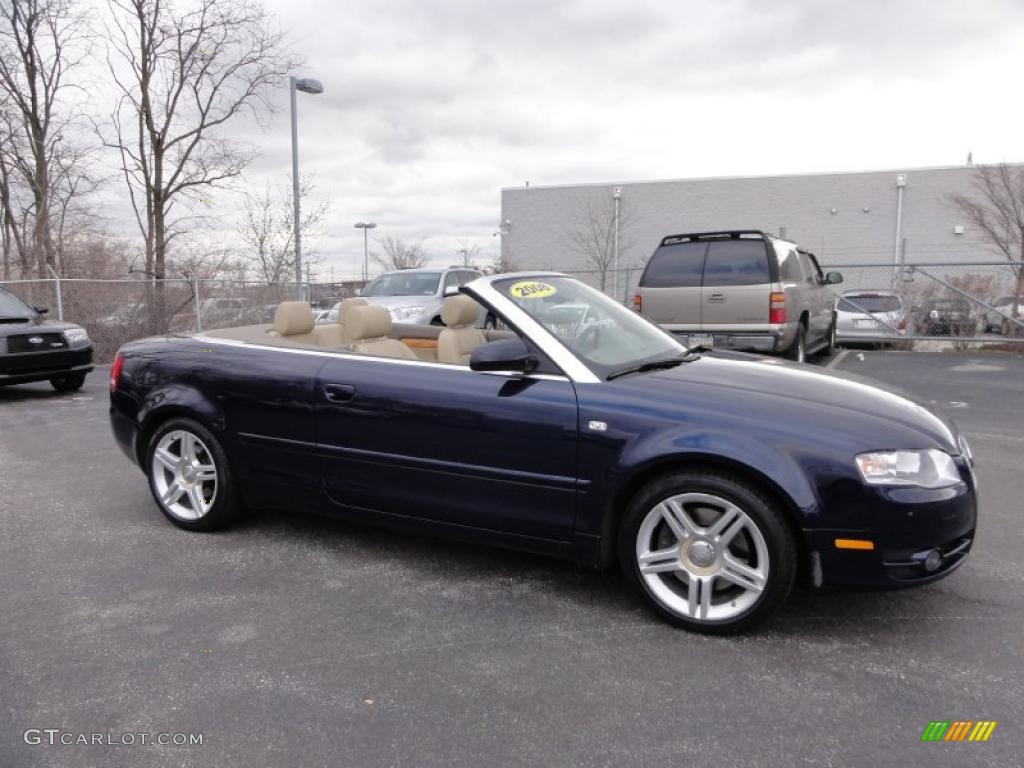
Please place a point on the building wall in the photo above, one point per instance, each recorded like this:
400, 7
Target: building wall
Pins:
862, 228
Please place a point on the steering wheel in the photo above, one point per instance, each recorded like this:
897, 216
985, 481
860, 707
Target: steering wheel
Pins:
587, 341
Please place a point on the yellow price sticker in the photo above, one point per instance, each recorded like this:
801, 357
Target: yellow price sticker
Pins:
532, 289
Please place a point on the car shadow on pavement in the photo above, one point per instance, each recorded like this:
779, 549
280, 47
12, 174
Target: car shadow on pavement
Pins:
868, 612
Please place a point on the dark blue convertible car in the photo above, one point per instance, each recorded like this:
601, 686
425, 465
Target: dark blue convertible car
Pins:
579, 429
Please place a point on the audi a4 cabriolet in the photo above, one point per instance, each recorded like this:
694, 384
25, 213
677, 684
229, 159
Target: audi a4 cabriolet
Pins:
713, 481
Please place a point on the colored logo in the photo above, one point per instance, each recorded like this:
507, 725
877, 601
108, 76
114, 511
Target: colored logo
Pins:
958, 730
532, 289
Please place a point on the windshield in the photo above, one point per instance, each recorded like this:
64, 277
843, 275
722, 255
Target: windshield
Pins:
13, 308
869, 303
602, 333
403, 284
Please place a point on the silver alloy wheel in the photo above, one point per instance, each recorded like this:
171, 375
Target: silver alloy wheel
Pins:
702, 557
184, 475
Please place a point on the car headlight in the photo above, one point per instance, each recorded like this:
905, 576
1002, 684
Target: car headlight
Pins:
407, 313
927, 469
934, 314
76, 335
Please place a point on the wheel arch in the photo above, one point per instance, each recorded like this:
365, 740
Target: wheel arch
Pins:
791, 511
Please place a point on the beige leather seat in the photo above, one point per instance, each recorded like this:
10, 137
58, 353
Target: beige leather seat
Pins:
458, 340
293, 320
335, 334
370, 327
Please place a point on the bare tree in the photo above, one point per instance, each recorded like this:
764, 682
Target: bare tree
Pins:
182, 76
997, 211
41, 42
597, 236
502, 263
469, 253
267, 229
395, 253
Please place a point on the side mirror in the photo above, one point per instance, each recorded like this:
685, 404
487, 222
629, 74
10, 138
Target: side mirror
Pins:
41, 310
833, 278
451, 290
505, 355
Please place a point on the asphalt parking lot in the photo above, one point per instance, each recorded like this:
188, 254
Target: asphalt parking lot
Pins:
300, 641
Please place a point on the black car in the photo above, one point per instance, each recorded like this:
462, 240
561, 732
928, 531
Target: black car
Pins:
946, 317
713, 481
34, 348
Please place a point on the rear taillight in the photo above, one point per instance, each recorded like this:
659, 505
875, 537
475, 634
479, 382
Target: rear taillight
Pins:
776, 308
115, 372
638, 302
902, 326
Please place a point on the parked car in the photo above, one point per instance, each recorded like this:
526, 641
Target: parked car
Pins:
1000, 323
711, 480
870, 313
326, 315
946, 317
35, 348
416, 295
740, 289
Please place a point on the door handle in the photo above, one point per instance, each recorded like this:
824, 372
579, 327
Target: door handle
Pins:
339, 393
717, 298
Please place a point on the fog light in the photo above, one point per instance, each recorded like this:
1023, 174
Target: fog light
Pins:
933, 560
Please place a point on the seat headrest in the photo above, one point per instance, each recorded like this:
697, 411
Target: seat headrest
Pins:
293, 317
347, 304
369, 322
459, 311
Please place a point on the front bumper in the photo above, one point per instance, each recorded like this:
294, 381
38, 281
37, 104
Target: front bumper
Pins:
40, 366
910, 524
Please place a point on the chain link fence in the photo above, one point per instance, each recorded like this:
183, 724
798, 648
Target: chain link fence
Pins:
115, 312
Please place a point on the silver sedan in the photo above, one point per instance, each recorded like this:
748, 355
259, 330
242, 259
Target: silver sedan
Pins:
867, 314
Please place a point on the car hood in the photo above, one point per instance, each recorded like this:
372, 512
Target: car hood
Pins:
37, 325
864, 401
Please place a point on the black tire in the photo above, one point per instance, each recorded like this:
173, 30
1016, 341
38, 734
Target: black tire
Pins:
830, 339
759, 508
70, 382
226, 507
797, 351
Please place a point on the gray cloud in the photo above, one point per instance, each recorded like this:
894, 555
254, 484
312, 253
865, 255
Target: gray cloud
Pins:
431, 107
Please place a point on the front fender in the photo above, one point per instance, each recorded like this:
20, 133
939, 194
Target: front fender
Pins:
779, 468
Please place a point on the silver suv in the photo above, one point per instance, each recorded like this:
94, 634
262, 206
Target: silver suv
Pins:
741, 289
416, 295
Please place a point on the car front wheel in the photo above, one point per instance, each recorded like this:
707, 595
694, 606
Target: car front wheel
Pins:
70, 382
708, 552
189, 476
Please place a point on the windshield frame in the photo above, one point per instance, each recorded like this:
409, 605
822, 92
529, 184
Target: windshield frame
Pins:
576, 367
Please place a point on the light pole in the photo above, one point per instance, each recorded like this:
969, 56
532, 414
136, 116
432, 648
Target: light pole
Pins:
306, 85
365, 225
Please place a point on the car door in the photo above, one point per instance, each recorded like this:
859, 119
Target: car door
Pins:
822, 299
669, 290
736, 286
448, 444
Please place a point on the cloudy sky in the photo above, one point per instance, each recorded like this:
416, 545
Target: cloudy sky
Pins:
431, 106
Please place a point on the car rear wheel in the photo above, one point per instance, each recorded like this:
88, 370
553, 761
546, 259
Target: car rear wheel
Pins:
708, 552
189, 476
797, 351
70, 382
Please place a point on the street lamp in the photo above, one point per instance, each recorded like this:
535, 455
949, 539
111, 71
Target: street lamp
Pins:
365, 225
306, 85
